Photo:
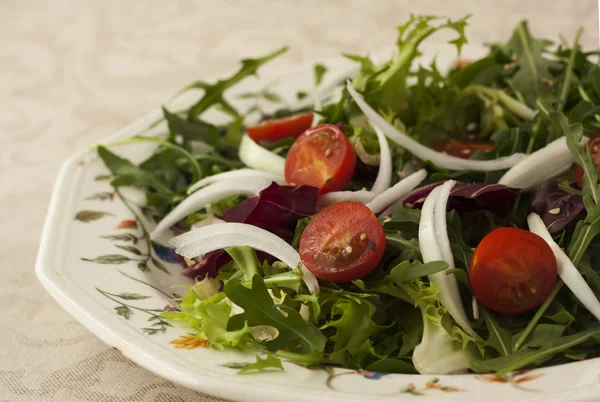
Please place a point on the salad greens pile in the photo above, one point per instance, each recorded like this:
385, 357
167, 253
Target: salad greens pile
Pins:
520, 97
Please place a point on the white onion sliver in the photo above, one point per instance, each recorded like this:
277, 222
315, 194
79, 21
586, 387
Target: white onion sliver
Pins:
428, 242
427, 154
475, 306
545, 163
211, 193
456, 308
384, 175
397, 191
444, 242
431, 251
361, 196
223, 235
566, 269
235, 174
257, 157
441, 231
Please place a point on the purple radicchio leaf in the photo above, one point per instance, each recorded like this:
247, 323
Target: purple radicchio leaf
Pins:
556, 207
496, 198
276, 209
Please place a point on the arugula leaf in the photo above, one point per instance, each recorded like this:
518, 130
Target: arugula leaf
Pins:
532, 67
213, 93
296, 337
499, 337
126, 173
543, 334
407, 271
525, 357
192, 130
300, 226
409, 248
391, 365
320, 71
269, 363
388, 84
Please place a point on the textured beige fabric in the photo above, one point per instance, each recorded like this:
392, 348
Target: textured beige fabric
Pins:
74, 71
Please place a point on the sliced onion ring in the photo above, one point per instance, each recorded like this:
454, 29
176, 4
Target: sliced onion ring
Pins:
545, 163
235, 174
396, 192
566, 269
211, 193
433, 236
223, 235
257, 157
384, 175
425, 153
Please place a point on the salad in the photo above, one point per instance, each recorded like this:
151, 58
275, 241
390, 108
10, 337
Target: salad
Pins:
410, 221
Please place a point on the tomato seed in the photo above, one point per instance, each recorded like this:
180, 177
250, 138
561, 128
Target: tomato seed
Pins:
349, 249
328, 152
363, 236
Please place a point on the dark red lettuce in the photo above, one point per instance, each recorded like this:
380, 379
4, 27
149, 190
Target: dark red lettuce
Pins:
556, 207
496, 198
276, 209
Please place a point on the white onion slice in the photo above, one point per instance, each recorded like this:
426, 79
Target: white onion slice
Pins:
441, 203
427, 154
397, 191
257, 157
361, 196
384, 175
566, 269
545, 163
223, 235
432, 234
235, 174
211, 193
441, 231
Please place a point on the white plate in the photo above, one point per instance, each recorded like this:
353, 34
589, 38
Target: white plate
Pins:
84, 289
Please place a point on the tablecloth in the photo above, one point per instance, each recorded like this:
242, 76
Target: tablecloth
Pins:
74, 71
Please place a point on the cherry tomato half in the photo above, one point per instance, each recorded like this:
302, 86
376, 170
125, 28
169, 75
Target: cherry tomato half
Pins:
462, 149
321, 157
278, 129
512, 271
342, 242
594, 146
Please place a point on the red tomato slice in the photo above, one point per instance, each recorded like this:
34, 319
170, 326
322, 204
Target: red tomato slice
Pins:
462, 149
342, 242
594, 146
321, 157
512, 271
277, 129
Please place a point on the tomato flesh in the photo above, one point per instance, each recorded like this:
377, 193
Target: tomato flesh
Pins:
277, 129
512, 271
462, 149
321, 157
342, 242
594, 146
